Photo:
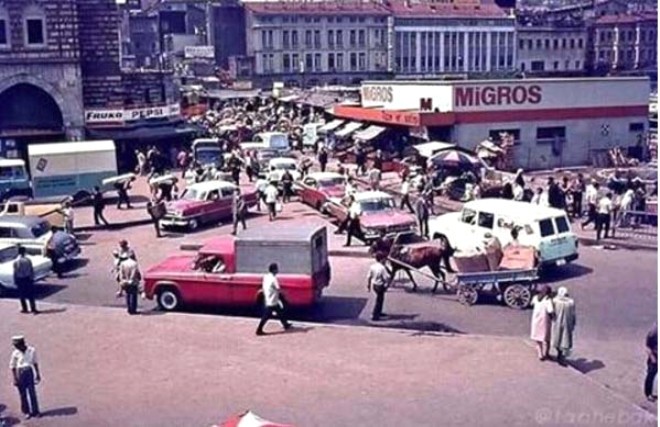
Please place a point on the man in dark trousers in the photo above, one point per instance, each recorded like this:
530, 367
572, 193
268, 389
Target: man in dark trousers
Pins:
156, 212
99, 204
287, 186
323, 158
556, 197
353, 226
651, 363
24, 280
24, 367
422, 214
378, 279
122, 193
238, 210
360, 161
270, 288
129, 280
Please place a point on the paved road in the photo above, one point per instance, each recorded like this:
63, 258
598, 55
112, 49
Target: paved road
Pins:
616, 293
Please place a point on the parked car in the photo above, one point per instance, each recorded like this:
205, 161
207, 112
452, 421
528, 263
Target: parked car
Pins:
317, 188
228, 271
8, 253
204, 202
33, 233
546, 229
380, 214
278, 165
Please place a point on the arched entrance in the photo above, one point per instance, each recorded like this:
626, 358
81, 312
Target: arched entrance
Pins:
26, 108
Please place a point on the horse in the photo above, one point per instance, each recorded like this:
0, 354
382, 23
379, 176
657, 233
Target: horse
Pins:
417, 257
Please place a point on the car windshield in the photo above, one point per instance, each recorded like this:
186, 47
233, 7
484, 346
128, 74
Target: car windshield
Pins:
284, 166
191, 194
40, 229
375, 205
331, 182
8, 254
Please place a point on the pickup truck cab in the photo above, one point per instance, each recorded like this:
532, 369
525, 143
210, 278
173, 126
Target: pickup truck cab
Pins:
380, 214
204, 202
14, 179
228, 271
8, 253
546, 229
268, 140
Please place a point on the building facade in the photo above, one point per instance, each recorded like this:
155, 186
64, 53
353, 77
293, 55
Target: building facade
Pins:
552, 50
624, 43
228, 31
314, 43
433, 38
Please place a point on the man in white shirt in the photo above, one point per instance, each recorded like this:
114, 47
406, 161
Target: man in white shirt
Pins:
270, 287
350, 189
603, 219
271, 195
378, 279
405, 195
25, 370
353, 225
591, 197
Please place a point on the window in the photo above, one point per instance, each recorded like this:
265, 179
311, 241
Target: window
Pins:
546, 228
555, 65
317, 39
562, 224
331, 61
4, 28
530, 44
294, 39
636, 127
550, 134
362, 39
563, 43
572, 43
547, 43
580, 43
539, 43
468, 216
362, 61
353, 62
495, 134
34, 26
308, 38
286, 62
331, 38
555, 44
577, 65
309, 62
317, 62
285, 39
295, 63
537, 66
521, 44
486, 220
340, 61
340, 38
351, 39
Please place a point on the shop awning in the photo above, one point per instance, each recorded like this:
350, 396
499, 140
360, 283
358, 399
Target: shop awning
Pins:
369, 133
289, 98
330, 126
348, 129
143, 133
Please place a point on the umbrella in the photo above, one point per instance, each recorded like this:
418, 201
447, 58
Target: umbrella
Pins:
249, 419
453, 158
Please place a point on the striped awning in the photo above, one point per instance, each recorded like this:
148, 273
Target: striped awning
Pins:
348, 129
332, 125
369, 133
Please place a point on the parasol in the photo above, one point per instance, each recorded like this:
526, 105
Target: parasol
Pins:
249, 419
453, 158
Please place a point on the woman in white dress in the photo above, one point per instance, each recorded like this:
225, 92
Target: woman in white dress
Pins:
542, 320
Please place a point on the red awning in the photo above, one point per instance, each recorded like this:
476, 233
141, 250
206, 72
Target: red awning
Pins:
388, 117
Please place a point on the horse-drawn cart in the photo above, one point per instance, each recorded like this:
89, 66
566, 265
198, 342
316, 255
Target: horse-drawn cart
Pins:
514, 287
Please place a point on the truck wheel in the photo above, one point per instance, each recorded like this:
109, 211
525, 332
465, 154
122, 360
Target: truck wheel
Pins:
168, 299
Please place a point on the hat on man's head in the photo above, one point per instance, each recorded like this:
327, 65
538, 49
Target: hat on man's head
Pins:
17, 339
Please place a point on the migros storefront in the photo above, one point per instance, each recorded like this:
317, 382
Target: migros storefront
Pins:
555, 122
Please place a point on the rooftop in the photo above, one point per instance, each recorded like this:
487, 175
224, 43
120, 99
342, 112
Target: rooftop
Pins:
629, 18
450, 9
319, 7
514, 209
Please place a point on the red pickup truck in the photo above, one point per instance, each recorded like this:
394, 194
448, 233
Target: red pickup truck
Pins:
228, 270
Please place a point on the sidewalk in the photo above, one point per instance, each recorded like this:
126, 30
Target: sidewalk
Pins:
102, 367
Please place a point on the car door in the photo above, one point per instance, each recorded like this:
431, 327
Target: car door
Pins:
209, 288
225, 202
212, 205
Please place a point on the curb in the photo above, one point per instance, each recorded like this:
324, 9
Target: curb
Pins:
336, 252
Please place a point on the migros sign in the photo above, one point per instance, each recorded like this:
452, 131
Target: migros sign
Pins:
379, 94
497, 95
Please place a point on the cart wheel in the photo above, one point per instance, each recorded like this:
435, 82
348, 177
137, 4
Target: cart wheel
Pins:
467, 296
517, 296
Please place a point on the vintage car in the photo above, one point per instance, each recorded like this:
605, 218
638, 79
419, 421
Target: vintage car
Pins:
8, 254
204, 202
380, 214
278, 165
546, 229
34, 233
317, 188
228, 271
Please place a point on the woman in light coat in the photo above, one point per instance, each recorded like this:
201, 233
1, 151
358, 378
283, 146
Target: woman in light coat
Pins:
563, 324
541, 321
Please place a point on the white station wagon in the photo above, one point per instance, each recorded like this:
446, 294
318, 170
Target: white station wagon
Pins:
546, 229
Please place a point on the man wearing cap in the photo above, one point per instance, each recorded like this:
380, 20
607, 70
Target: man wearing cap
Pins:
129, 280
124, 252
25, 370
24, 280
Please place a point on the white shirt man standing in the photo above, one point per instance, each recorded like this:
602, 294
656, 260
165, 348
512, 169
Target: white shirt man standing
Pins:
603, 217
25, 371
591, 197
271, 195
270, 288
378, 279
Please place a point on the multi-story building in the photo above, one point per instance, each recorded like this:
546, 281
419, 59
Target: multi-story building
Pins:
552, 50
227, 31
320, 42
431, 38
624, 43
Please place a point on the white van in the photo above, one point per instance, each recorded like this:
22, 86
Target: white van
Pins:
268, 140
546, 229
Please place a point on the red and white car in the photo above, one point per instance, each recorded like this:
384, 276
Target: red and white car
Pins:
228, 271
204, 202
317, 188
380, 214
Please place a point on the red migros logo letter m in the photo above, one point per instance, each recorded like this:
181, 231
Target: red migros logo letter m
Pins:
463, 96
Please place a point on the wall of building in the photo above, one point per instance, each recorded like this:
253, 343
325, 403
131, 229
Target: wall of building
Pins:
551, 50
228, 32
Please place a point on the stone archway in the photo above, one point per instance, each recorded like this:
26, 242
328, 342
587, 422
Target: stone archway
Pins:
69, 105
25, 106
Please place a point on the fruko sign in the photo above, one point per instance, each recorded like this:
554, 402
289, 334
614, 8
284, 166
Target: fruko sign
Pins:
497, 95
121, 116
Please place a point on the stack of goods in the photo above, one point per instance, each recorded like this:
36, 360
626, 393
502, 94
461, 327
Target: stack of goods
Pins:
492, 257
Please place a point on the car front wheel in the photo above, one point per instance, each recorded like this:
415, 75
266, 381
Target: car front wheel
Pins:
168, 299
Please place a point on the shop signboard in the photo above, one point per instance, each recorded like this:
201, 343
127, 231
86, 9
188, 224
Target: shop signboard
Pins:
121, 116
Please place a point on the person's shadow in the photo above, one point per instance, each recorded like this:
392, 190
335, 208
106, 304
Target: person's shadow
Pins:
60, 412
585, 366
